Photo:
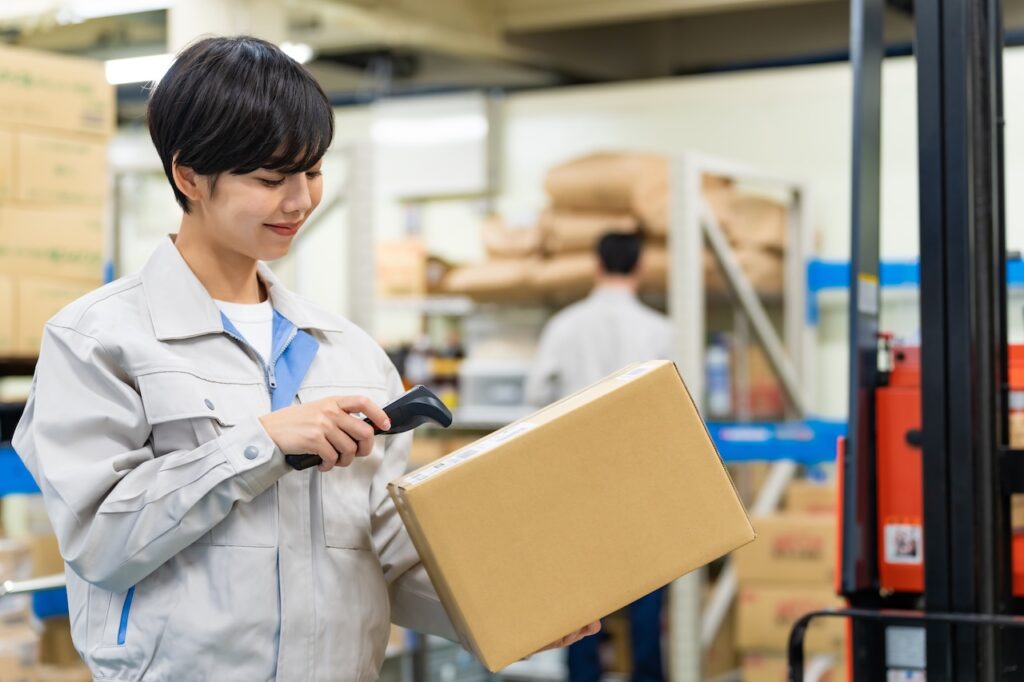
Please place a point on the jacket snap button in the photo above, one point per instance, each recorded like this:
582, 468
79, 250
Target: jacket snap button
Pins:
251, 452
209, 403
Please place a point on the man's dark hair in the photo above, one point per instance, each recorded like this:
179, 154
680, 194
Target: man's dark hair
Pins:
619, 252
236, 105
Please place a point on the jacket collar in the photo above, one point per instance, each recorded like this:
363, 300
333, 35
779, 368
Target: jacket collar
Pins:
181, 308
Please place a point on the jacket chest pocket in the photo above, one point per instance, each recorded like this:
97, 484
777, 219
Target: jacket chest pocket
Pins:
185, 411
345, 491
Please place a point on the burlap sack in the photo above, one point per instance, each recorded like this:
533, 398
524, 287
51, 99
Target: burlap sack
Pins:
764, 269
565, 277
575, 231
606, 181
757, 223
495, 280
502, 241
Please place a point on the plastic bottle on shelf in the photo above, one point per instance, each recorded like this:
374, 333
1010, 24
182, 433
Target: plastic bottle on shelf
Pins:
719, 382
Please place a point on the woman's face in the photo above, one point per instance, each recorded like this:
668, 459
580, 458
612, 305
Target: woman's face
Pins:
258, 214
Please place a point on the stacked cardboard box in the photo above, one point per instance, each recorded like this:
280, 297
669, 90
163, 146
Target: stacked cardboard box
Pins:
57, 116
19, 636
787, 572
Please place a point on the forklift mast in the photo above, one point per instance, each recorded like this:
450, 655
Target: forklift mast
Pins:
967, 470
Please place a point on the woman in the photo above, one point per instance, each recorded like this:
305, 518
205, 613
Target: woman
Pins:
164, 403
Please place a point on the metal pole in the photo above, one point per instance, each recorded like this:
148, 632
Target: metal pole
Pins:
686, 309
859, 559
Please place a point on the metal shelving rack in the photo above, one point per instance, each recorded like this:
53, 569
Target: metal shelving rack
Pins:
692, 225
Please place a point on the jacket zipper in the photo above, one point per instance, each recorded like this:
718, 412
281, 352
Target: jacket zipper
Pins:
268, 373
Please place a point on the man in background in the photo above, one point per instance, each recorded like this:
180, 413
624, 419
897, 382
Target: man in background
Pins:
580, 345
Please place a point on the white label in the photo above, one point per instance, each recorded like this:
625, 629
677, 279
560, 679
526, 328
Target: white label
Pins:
637, 371
867, 294
906, 676
903, 543
485, 445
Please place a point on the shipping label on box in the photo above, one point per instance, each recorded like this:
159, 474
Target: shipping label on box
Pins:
39, 299
57, 242
572, 513
767, 615
790, 548
61, 169
45, 90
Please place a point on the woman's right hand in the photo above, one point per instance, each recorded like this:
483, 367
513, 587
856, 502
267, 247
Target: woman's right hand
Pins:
327, 428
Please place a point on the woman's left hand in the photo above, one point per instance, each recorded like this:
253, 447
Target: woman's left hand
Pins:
574, 637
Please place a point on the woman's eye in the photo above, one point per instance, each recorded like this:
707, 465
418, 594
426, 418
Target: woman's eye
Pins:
272, 183
312, 175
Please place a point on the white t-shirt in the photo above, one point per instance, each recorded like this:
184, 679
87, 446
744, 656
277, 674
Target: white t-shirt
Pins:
255, 321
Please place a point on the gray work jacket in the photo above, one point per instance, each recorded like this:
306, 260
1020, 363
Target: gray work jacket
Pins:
193, 552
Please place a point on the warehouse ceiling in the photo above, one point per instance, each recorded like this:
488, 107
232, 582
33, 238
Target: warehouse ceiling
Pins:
367, 48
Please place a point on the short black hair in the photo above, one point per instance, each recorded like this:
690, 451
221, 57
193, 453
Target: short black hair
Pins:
619, 252
235, 105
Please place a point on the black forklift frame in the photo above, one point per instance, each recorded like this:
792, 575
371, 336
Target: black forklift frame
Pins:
968, 470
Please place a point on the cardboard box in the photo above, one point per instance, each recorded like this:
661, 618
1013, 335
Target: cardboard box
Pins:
7, 316
61, 169
56, 646
773, 668
790, 548
721, 658
63, 673
401, 268
45, 90
15, 560
767, 614
39, 299
15, 564
572, 513
811, 497
52, 242
19, 653
6, 165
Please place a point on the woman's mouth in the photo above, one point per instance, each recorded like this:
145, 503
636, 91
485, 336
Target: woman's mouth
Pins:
284, 229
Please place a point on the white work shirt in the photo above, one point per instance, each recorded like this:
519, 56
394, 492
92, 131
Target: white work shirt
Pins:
590, 339
255, 321
193, 551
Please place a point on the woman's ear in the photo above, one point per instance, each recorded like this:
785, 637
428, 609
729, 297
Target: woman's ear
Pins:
186, 180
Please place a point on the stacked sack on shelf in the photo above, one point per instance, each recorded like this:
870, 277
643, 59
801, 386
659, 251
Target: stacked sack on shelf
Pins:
622, 192
788, 571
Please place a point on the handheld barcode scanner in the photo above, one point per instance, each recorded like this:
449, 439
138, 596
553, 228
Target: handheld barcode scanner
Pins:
414, 408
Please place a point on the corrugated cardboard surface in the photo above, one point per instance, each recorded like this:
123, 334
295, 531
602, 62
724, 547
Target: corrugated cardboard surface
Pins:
811, 497
19, 653
573, 512
772, 668
790, 548
767, 614
61, 169
39, 299
58, 242
7, 315
6, 165
52, 91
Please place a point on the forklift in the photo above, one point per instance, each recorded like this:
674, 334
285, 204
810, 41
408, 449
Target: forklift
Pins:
929, 564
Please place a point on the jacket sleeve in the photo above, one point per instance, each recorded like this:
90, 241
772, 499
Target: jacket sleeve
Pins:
414, 601
118, 511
